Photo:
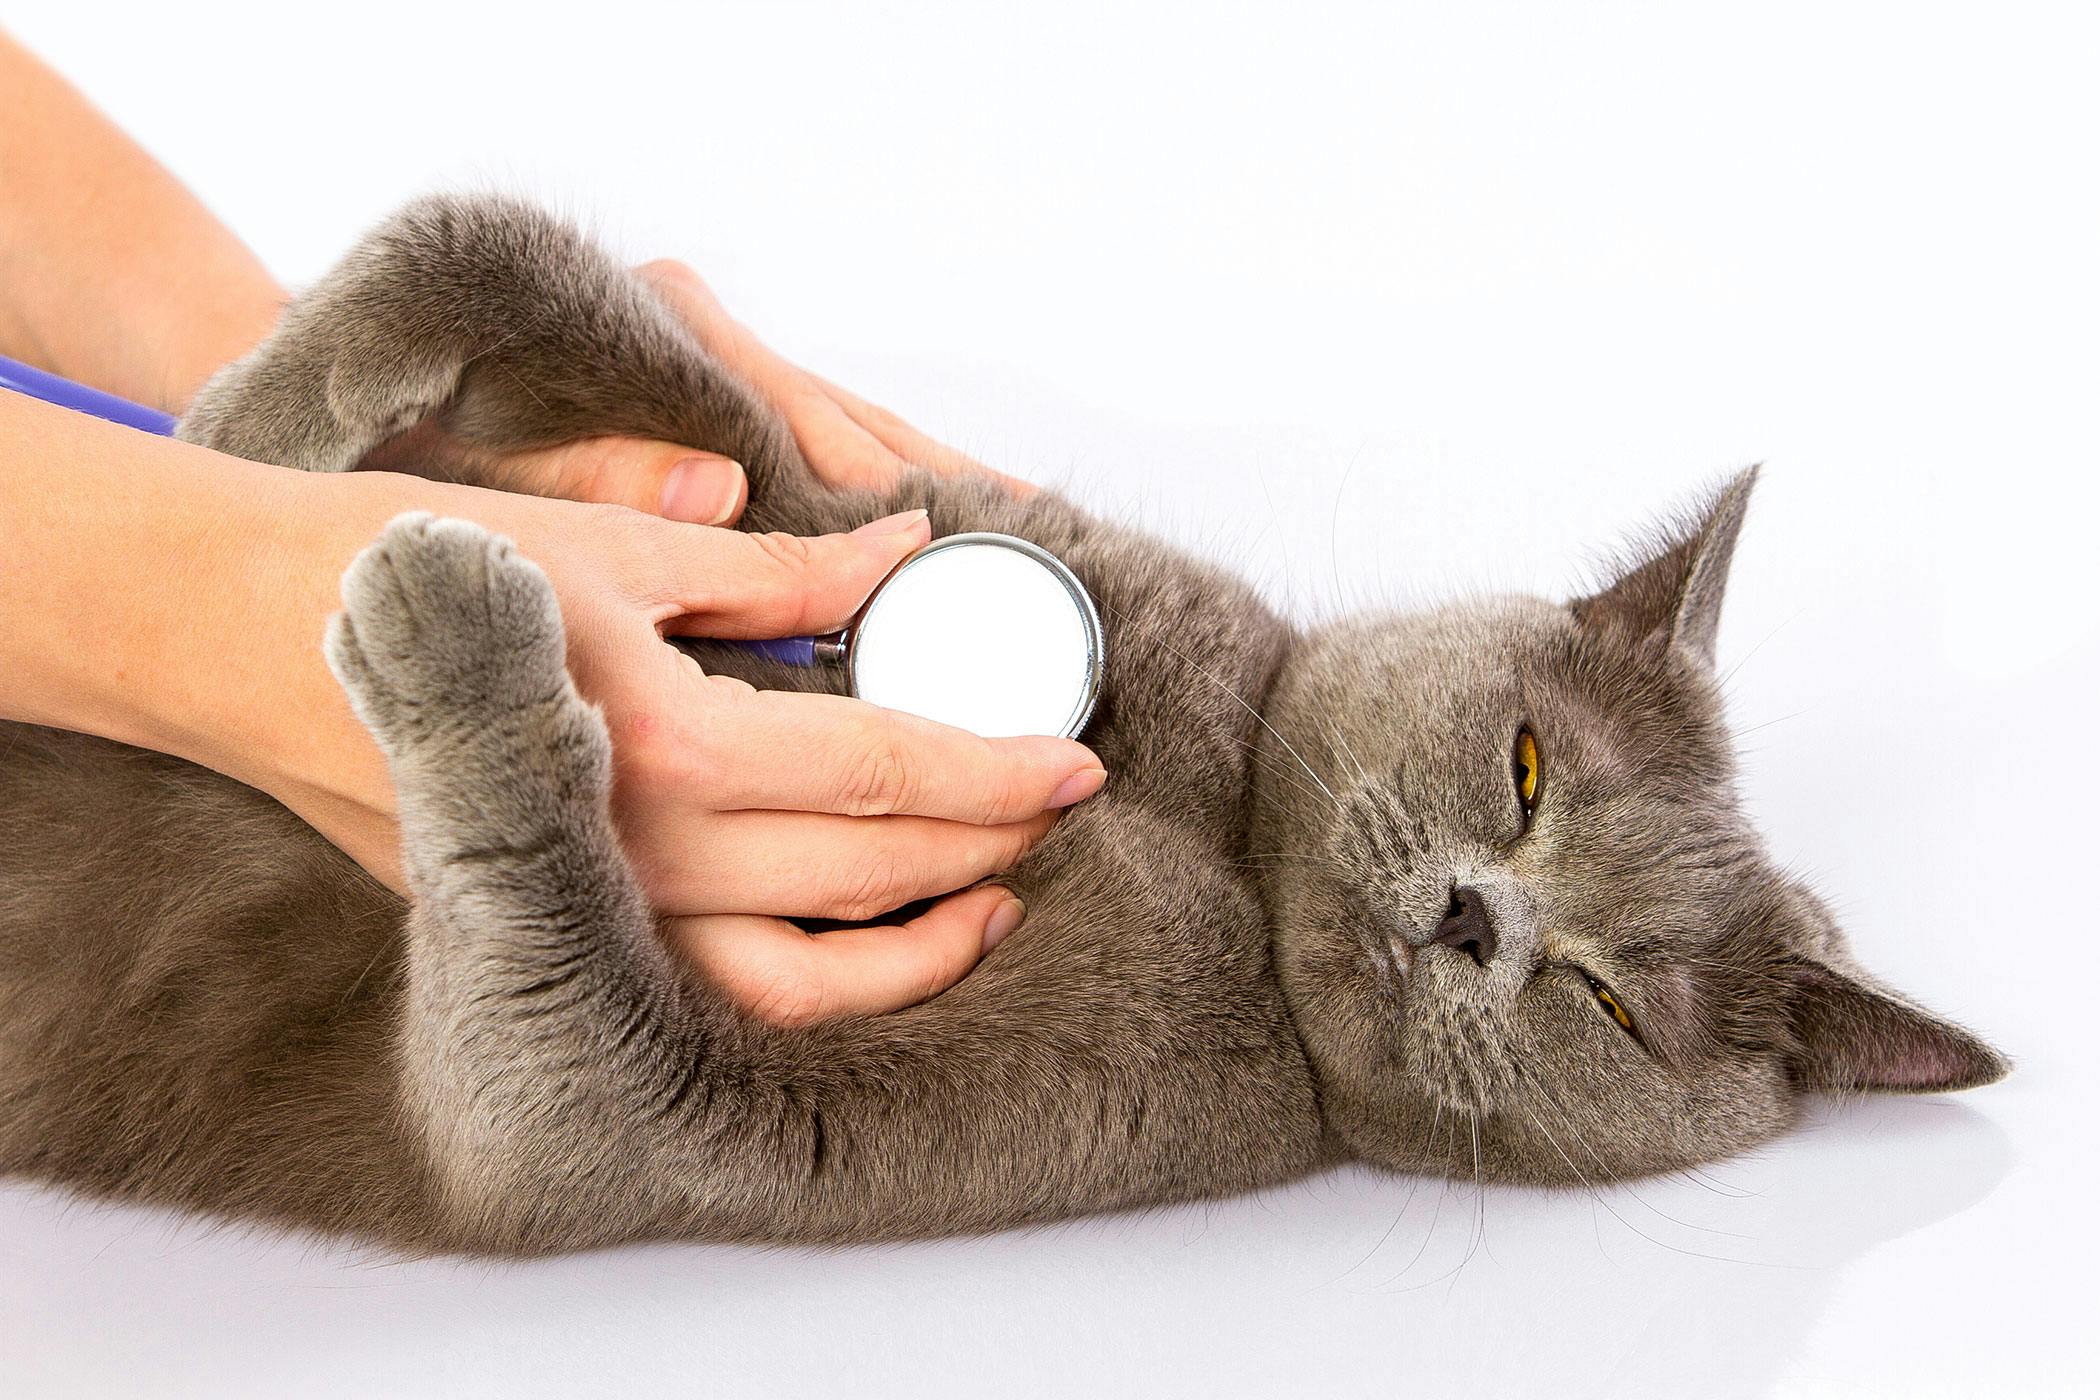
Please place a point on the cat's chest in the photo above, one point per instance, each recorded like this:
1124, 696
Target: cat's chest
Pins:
1191, 653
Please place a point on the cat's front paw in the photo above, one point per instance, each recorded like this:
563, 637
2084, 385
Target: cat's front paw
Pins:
444, 627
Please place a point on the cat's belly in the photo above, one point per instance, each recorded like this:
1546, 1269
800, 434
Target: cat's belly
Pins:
197, 992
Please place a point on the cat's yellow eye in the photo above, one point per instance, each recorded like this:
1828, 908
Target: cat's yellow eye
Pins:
1524, 769
1610, 1004
1618, 1013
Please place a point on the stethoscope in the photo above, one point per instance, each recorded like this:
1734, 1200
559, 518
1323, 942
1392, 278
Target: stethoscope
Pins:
982, 631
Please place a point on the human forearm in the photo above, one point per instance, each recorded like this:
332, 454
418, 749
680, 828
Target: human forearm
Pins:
170, 597
111, 272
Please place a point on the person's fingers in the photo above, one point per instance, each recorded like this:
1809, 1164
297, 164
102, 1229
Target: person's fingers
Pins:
900, 437
645, 474
839, 450
848, 441
778, 973
719, 333
859, 760
911, 445
727, 583
823, 866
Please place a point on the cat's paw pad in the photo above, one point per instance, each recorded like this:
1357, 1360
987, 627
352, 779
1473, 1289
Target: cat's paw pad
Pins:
446, 622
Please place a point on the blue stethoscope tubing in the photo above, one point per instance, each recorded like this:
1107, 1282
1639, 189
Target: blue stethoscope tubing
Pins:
52, 388
56, 389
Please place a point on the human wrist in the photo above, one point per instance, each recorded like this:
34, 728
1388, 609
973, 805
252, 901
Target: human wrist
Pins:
231, 610
280, 561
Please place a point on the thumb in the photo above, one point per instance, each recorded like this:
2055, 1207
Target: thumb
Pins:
703, 488
726, 583
648, 475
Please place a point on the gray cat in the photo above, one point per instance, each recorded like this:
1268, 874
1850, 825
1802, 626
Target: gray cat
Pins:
1461, 891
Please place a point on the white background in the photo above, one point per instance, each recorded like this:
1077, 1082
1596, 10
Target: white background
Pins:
1380, 305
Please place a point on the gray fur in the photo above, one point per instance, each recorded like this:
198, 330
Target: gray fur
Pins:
1228, 975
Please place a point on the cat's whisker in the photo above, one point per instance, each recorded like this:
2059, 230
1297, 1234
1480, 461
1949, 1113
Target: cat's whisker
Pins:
1596, 1197
1231, 695
1275, 768
1334, 530
1282, 536
1721, 682
1436, 1216
1271, 858
1600, 1200
1691, 1175
1349, 752
1714, 1183
519, 380
1738, 734
1479, 1206
1406, 1203
1626, 1186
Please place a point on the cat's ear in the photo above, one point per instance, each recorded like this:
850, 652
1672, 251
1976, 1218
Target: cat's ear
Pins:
1850, 1036
1672, 596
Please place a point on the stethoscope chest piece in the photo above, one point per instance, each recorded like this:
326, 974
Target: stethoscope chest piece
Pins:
982, 631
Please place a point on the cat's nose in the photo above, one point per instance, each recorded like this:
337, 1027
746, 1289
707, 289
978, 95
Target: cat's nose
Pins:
1467, 925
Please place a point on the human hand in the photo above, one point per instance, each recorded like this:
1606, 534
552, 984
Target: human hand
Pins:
736, 804
736, 807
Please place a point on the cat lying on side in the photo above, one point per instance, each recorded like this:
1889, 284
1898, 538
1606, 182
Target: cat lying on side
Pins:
1464, 890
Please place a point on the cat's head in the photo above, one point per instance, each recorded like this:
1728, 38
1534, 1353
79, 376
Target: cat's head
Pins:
1519, 909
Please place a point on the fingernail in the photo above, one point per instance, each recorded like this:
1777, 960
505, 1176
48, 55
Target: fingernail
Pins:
1077, 788
1005, 919
902, 521
702, 491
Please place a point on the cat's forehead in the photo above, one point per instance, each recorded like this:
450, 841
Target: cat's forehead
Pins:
1478, 664
1450, 661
